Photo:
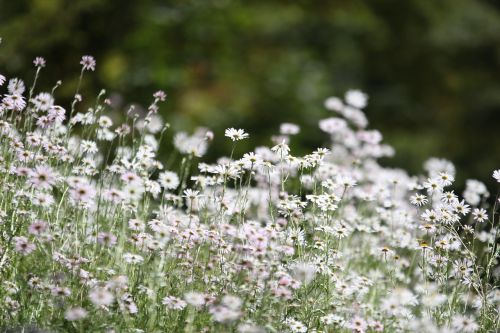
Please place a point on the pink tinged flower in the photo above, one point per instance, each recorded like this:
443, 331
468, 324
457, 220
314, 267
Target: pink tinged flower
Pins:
43, 101
285, 281
287, 250
14, 102
106, 239
22, 171
160, 95
289, 129
88, 63
39, 62
209, 136
332, 125
372, 137
377, 326
127, 304
130, 178
136, 225
23, 246
223, 314
195, 299
358, 325
174, 303
132, 258
232, 302
43, 122
38, 227
61, 291
75, 314
113, 195
42, 177
101, 297
282, 292
82, 193
153, 108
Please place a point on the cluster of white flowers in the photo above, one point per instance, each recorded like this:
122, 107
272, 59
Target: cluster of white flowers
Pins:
97, 235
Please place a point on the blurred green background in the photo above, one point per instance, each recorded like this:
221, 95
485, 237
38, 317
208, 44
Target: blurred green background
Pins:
431, 68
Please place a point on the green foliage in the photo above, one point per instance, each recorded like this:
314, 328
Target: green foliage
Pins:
431, 67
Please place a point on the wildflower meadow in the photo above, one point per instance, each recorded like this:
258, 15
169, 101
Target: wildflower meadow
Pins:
101, 233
